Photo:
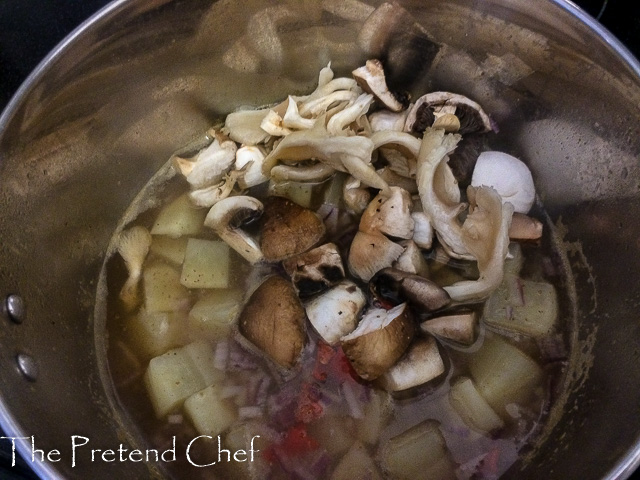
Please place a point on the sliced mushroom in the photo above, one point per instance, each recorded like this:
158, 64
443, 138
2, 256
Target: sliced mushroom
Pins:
509, 176
133, 247
422, 230
459, 327
316, 270
273, 320
428, 108
380, 339
371, 79
524, 227
420, 364
412, 260
356, 197
249, 160
386, 120
335, 312
394, 179
339, 122
395, 286
211, 164
243, 126
317, 172
389, 213
370, 253
228, 216
288, 229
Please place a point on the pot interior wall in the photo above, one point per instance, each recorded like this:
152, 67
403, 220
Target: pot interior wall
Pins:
144, 78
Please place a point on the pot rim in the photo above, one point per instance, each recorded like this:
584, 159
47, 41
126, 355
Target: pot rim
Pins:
626, 464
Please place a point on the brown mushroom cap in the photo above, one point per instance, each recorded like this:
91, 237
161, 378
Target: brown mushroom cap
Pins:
316, 270
274, 320
379, 341
288, 229
371, 252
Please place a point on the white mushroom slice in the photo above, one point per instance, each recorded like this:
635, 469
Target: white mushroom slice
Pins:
422, 230
209, 196
412, 260
459, 328
387, 120
436, 145
315, 173
524, 227
509, 176
292, 118
228, 216
485, 234
420, 364
334, 85
371, 79
249, 159
335, 312
272, 124
273, 320
315, 270
370, 253
243, 126
349, 114
212, 164
389, 213
133, 247
315, 107
380, 339
405, 142
356, 197
429, 107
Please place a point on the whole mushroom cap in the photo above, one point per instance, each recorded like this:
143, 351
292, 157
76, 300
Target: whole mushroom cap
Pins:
509, 176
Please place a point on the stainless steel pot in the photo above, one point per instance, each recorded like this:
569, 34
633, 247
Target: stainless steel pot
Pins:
106, 109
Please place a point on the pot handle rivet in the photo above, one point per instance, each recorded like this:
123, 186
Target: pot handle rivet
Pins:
27, 366
15, 308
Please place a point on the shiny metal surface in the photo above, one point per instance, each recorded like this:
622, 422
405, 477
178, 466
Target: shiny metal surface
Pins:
142, 78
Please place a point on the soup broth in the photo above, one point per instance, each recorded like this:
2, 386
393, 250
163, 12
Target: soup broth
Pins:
202, 362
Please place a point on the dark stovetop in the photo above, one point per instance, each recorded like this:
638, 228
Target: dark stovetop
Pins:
29, 29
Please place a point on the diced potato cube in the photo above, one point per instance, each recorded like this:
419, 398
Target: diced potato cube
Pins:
503, 373
523, 306
300, 193
242, 436
376, 415
214, 315
472, 407
209, 412
356, 465
420, 452
333, 433
176, 375
163, 291
206, 264
179, 218
169, 248
154, 333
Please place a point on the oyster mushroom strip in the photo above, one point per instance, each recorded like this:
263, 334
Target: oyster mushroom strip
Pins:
345, 154
227, 217
435, 197
485, 234
210, 165
273, 320
335, 313
380, 339
133, 247
428, 108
